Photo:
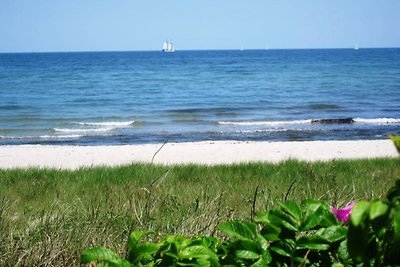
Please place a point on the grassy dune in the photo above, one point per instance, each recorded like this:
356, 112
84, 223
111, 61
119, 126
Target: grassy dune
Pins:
48, 216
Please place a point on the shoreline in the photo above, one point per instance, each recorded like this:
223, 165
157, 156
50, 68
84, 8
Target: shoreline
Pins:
206, 152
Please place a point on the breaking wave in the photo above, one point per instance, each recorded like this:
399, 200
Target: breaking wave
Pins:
67, 130
109, 123
41, 137
257, 123
380, 121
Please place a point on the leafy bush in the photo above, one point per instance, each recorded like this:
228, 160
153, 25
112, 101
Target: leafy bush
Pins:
293, 234
374, 232
396, 141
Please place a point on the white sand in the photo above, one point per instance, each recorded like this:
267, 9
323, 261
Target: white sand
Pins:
218, 152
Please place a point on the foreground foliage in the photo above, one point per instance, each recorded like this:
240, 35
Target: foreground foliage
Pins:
293, 234
47, 217
396, 141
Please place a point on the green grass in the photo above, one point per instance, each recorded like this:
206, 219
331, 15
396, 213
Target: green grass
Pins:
48, 216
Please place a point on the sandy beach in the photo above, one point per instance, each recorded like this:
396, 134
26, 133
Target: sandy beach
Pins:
210, 152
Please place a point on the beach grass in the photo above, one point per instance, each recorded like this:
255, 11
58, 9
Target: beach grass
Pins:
48, 216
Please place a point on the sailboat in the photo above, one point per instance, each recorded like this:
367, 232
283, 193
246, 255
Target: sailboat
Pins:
241, 48
356, 48
168, 47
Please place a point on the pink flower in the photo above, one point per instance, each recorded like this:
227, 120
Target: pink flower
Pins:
343, 215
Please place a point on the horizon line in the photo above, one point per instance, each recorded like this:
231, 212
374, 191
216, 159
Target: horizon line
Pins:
188, 50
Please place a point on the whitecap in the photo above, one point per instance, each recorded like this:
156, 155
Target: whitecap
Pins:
42, 137
108, 123
258, 123
377, 120
263, 131
68, 130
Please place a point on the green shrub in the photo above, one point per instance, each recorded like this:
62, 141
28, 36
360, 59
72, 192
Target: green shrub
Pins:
306, 234
396, 141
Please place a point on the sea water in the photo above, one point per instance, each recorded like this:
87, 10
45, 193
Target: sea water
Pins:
96, 98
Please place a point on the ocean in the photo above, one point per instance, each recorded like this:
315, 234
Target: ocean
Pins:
110, 98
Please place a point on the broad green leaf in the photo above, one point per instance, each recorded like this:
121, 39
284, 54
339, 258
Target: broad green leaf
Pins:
343, 252
193, 264
280, 219
170, 239
396, 225
292, 208
135, 236
203, 262
100, 254
317, 214
280, 251
310, 206
246, 254
206, 241
286, 217
332, 234
377, 209
195, 252
301, 261
357, 242
262, 217
247, 244
312, 242
178, 242
283, 247
396, 141
394, 192
271, 232
123, 263
313, 219
266, 256
261, 263
359, 212
171, 254
143, 250
328, 218
238, 230
262, 242
252, 226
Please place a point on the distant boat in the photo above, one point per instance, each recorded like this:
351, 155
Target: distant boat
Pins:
168, 47
241, 48
267, 47
356, 47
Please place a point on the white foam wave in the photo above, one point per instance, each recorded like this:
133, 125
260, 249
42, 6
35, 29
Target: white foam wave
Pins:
68, 130
263, 131
377, 121
62, 136
258, 123
108, 123
43, 137
293, 122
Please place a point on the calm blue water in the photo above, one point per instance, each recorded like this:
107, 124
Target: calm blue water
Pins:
143, 97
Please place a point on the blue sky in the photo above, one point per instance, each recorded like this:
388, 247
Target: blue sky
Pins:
124, 25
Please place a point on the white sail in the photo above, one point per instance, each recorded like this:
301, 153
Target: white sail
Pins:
356, 48
165, 46
168, 47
